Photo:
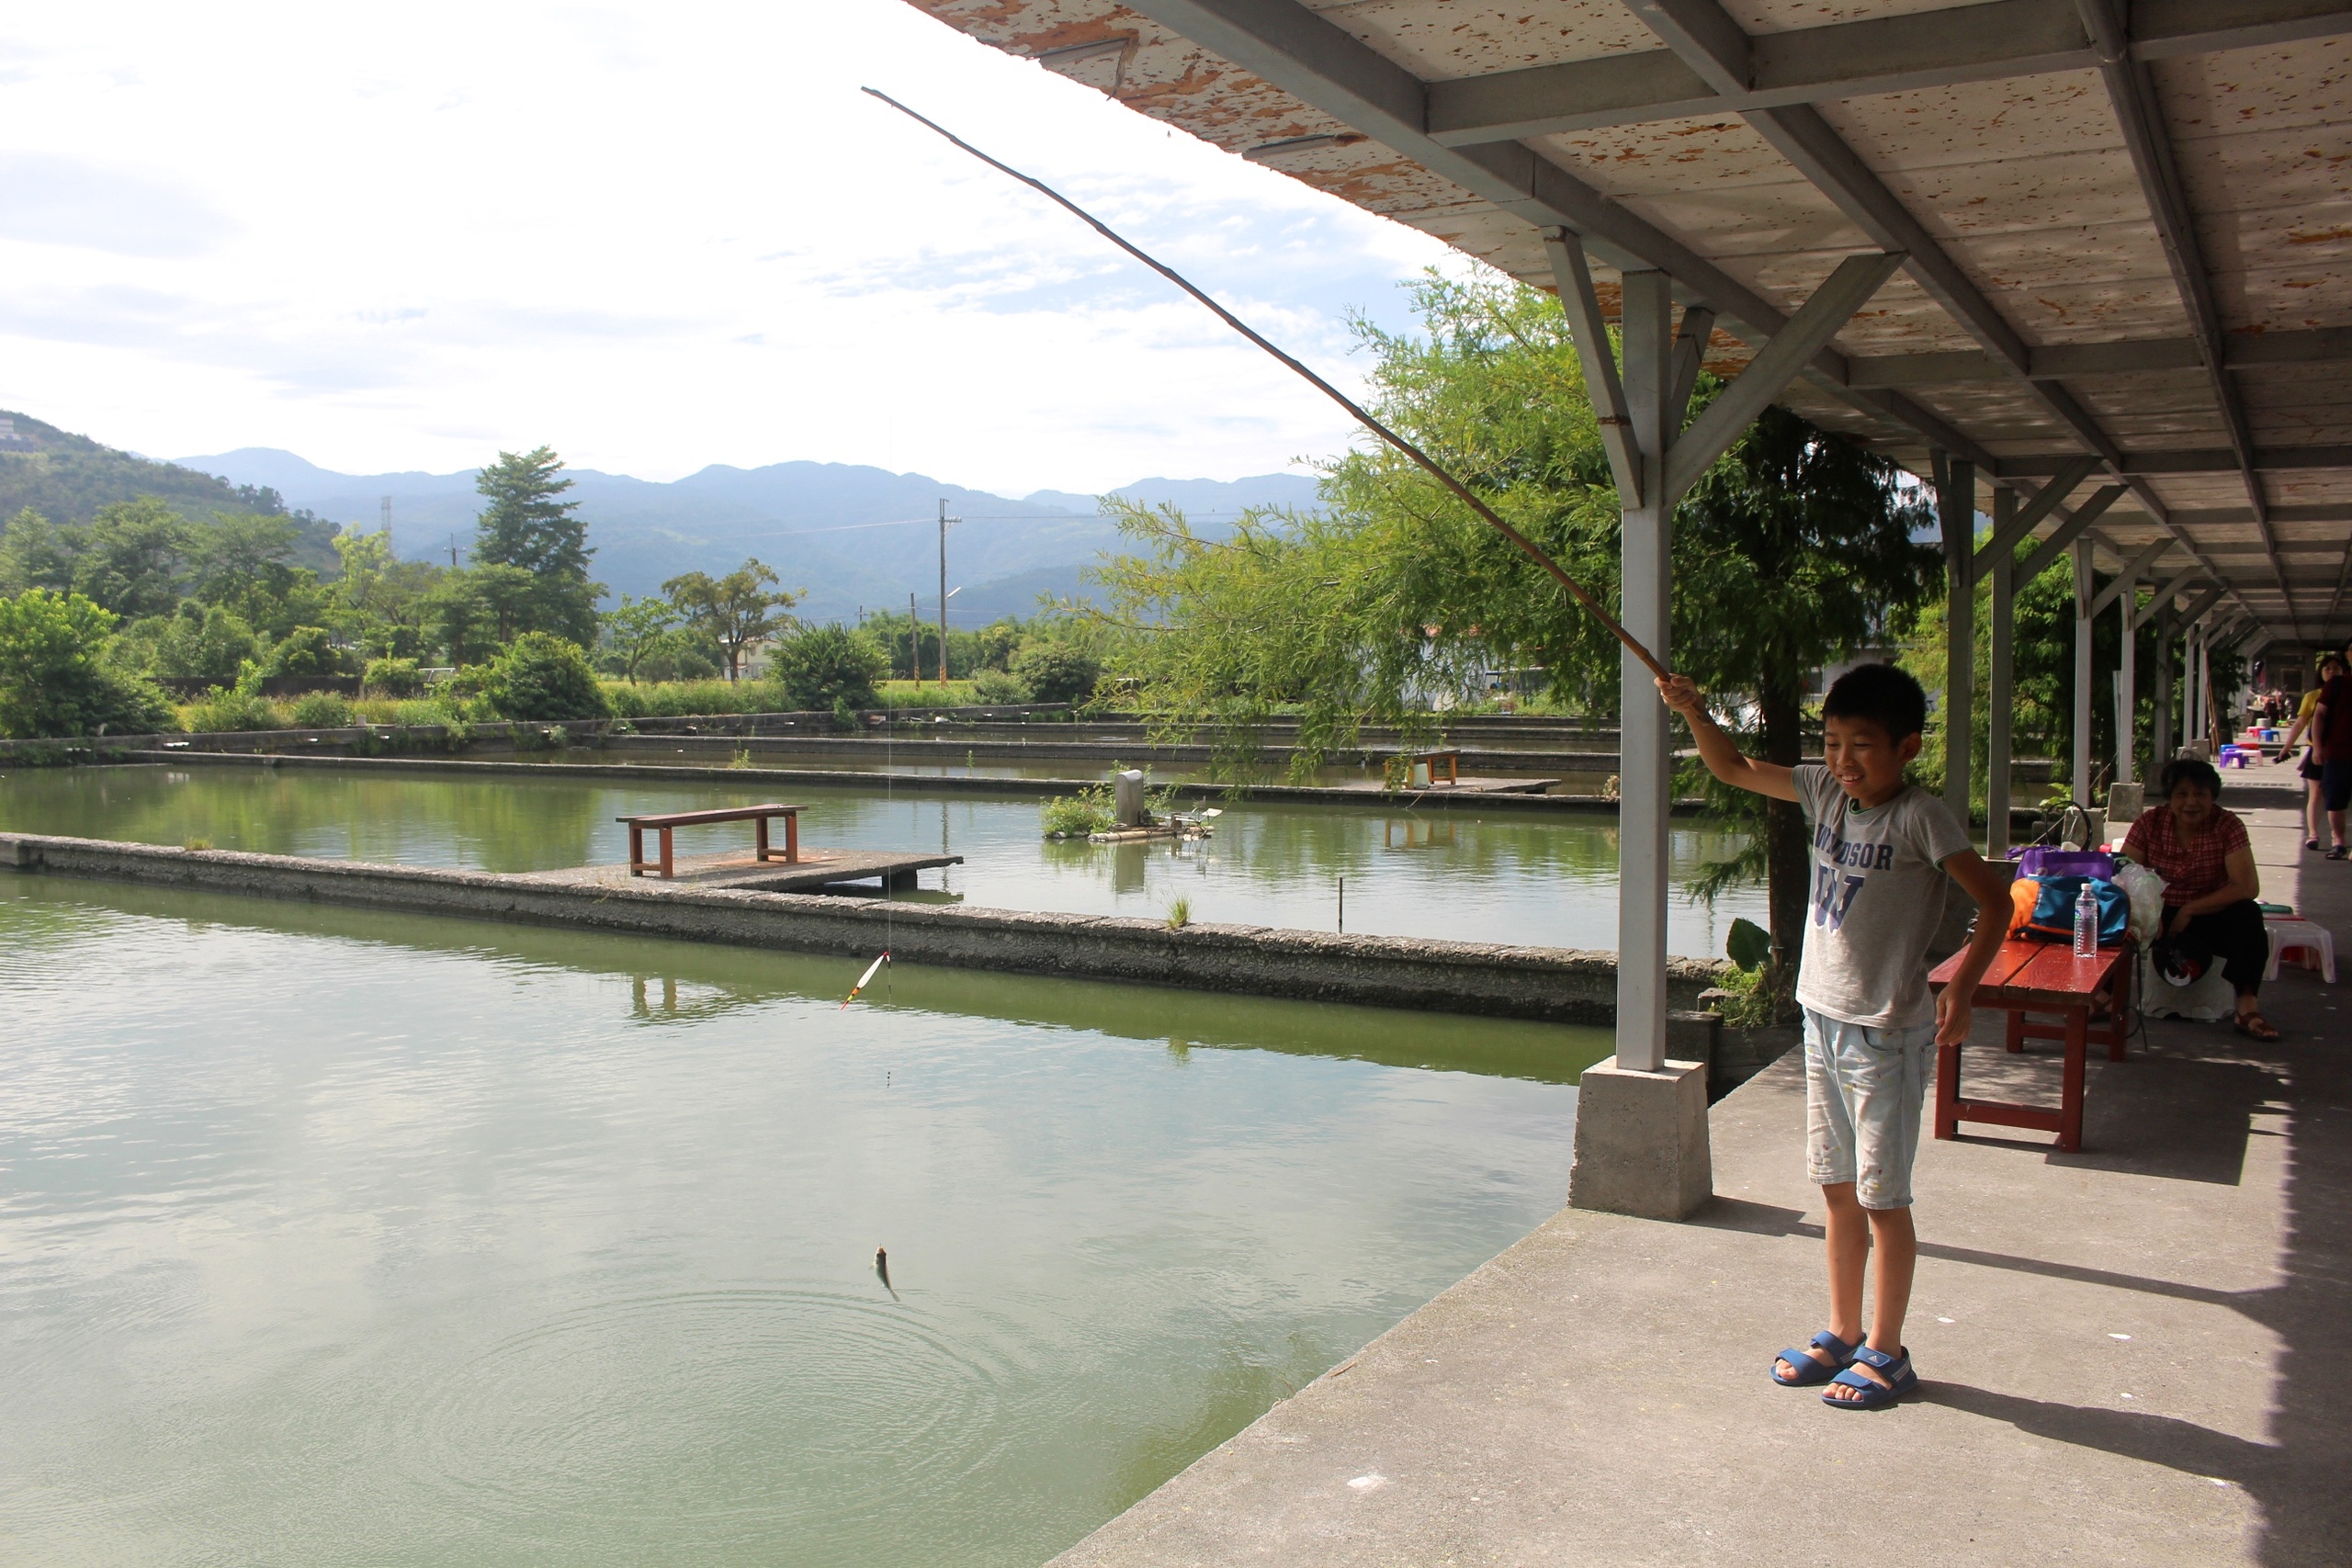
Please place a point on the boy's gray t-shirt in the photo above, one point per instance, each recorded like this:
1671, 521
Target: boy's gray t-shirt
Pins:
1876, 900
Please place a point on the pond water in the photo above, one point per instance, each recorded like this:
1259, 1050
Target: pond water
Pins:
333, 1237
1450, 872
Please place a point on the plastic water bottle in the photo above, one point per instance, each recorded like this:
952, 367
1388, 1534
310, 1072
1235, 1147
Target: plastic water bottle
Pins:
2085, 922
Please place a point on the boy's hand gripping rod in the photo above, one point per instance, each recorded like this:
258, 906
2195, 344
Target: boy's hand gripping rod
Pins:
1526, 546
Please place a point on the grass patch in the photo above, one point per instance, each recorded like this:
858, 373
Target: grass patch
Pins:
1180, 914
1075, 816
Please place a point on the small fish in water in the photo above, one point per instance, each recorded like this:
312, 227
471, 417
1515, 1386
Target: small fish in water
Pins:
882, 1267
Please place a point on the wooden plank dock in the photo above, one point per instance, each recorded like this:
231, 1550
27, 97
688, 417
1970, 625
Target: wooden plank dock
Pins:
815, 871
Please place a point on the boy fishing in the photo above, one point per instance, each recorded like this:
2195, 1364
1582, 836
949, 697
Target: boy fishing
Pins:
1881, 851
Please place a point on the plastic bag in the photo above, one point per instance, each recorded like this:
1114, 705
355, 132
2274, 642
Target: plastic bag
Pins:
2145, 889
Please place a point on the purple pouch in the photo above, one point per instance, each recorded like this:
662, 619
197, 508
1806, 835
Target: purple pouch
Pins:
2045, 861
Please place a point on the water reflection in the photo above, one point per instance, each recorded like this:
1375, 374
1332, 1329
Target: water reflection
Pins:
1437, 871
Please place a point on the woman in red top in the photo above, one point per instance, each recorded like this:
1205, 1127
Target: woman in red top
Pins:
2210, 887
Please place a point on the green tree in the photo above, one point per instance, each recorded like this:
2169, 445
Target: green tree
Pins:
636, 629
305, 651
458, 622
542, 676
825, 667
528, 527
1057, 673
131, 558
36, 553
53, 677
734, 611
203, 642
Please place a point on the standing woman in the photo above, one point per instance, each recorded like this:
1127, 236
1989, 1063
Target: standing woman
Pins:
2314, 819
2210, 888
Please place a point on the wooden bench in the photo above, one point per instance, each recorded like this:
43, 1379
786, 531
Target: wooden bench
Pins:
2039, 978
664, 824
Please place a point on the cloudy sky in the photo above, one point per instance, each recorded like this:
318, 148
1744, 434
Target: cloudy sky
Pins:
405, 237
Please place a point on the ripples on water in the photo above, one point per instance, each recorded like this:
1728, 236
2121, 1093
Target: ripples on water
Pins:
333, 1237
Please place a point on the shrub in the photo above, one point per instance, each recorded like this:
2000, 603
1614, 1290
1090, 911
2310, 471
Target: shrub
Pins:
819, 667
1075, 816
228, 710
321, 710
393, 678
1056, 674
53, 677
995, 686
542, 676
305, 651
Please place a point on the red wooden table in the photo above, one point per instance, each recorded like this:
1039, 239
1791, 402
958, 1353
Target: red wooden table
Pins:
2027, 977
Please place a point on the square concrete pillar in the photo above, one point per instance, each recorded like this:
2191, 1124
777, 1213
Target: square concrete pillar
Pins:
1642, 1141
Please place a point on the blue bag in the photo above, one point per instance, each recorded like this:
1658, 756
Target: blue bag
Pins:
2054, 908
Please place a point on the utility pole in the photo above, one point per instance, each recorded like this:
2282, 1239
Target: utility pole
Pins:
453, 552
914, 641
944, 521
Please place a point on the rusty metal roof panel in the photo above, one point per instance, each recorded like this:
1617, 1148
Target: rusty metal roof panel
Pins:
2020, 170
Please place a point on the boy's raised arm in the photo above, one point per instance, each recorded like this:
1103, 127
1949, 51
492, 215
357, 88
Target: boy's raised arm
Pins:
1723, 759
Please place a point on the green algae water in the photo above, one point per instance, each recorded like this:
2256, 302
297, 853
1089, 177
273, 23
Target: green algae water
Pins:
1544, 880
327, 1237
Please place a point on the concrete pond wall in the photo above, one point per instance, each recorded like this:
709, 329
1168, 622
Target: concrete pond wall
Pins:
1552, 985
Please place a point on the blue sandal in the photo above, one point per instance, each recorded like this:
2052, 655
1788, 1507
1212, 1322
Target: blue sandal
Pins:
1812, 1370
1900, 1381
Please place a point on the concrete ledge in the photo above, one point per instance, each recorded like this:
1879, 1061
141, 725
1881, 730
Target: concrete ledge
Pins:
1552, 985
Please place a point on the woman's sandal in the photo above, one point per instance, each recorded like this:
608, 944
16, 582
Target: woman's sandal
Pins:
1875, 1395
1812, 1370
2254, 1026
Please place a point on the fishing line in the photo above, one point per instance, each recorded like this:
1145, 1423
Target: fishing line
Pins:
1527, 546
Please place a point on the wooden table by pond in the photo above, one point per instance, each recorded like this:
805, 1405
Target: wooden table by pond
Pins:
2039, 978
665, 823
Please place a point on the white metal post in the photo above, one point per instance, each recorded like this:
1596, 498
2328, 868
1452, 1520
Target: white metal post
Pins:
2000, 681
1646, 773
2083, 628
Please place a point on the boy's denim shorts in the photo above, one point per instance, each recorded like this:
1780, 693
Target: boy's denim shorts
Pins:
1863, 1091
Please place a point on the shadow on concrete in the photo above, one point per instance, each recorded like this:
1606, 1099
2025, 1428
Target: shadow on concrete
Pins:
2194, 1128
2155, 1440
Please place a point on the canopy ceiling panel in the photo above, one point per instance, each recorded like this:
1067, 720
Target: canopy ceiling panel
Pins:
2128, 228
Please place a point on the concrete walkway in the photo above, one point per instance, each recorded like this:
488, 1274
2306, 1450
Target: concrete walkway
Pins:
2138, 1354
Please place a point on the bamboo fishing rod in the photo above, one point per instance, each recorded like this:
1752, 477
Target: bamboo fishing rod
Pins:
1526, 546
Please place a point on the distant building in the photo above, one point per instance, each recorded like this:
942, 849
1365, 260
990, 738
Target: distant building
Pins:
10, 441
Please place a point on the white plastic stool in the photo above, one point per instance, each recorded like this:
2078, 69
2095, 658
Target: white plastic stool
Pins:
2292, 933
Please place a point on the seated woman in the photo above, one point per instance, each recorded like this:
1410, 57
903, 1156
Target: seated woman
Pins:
2210, 888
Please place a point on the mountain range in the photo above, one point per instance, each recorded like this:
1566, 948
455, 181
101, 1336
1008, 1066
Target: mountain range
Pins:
853, 538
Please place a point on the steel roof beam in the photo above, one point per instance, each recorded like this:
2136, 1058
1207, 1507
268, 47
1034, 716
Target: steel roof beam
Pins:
1324, 66
1852, 60
2126, 356
1706, 39
2132, 94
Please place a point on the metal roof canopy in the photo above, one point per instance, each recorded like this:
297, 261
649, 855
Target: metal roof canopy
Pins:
2127, 234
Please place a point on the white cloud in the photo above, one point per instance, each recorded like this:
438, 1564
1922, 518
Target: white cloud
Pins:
399, 239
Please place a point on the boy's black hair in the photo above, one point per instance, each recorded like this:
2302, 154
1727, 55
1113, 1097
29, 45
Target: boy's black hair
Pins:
2188, 770
1882, 694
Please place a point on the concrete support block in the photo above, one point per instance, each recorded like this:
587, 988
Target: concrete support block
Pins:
1642, 1141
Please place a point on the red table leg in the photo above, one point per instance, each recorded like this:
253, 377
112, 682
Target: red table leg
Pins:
635, 849
2070, 1105
1947, 1091
665, 853
792, 837
760, 838
2017, 1029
